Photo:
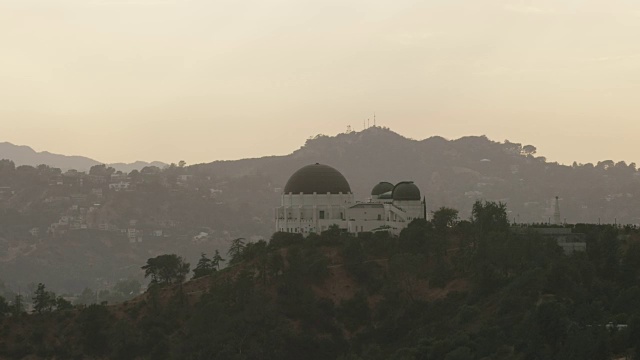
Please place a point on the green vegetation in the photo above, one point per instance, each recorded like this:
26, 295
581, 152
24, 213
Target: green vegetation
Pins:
74, 230
166, 270
444, 289
166, 208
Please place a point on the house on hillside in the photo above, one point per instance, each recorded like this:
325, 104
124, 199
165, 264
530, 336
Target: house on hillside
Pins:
5, 192
184, 178
97, 179
56, 181
119, 177
120, 186
97, 192
34, 232
78, 198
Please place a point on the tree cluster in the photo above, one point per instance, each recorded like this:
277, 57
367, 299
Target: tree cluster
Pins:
444, 289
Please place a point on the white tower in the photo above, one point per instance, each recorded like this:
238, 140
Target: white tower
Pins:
556, 213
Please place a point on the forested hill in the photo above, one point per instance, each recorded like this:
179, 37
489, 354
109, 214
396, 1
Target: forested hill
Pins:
455, 173
444, 289
74, 229
24, 155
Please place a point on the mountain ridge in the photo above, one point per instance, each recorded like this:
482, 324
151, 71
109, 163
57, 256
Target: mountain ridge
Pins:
455, 173
26, 155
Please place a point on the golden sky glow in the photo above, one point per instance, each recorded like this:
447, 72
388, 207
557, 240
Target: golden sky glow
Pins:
201, 80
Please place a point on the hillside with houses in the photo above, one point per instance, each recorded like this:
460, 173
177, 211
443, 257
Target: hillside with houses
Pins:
74, 229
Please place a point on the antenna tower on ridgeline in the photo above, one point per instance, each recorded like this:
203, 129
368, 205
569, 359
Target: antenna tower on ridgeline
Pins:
374, 119
556, 213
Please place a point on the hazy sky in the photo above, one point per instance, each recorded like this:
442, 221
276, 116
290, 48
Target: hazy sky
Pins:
200, 80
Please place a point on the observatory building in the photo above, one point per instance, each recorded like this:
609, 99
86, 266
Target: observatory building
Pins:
318, 196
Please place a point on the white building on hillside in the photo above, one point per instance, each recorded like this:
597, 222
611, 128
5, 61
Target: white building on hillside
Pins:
391, 208
318, 196
315, 197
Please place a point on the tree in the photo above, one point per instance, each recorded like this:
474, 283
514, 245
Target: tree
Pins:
204, 267
236, 249
43, 301
489, 216
62, 304
4, 307
551, 323
101, 170
7, 166
18, 306
94, 322
182, 163
444, 218
460, 353
404, 269
217, 259
414, 237
134, 175
606, 164
528, 150
512, 148
127, 288
150, 170
491, 258
97, 169
166, 269
87, 297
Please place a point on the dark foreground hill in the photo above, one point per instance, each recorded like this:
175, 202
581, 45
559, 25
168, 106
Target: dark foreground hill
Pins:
442, 290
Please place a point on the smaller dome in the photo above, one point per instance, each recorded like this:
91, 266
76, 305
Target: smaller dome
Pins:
406, 190
386, 196
381, 188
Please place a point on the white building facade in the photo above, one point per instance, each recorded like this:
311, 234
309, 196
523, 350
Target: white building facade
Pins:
315, 197
318, 196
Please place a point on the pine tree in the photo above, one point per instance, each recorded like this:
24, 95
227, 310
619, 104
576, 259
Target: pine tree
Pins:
217, 259
43, 301
4, 307
204, 267
18, 306
235, 251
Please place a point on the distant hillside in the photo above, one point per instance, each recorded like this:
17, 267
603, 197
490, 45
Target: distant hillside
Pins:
455, 173
73, 230
24, 155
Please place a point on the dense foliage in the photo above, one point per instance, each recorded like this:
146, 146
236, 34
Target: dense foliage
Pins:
444, 289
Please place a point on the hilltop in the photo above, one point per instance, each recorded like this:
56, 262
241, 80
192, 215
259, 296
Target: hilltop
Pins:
98, 225
455, 173
25, 155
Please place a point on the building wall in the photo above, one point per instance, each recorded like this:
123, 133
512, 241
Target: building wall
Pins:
307, 213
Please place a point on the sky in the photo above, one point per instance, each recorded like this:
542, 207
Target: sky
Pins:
204, 80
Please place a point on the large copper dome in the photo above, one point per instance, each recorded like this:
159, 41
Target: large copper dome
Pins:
317, 178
